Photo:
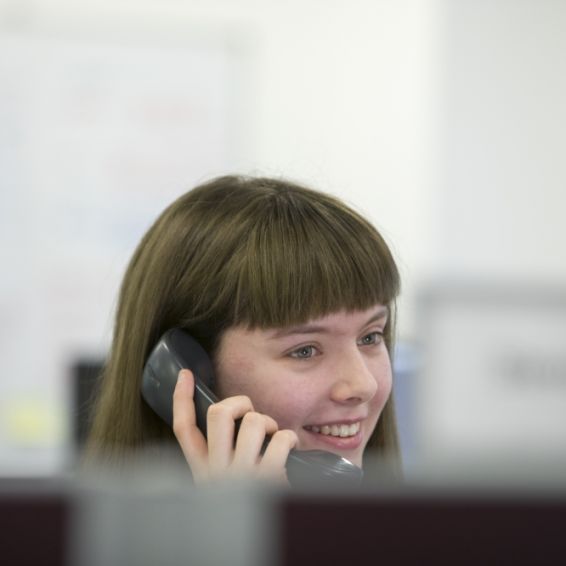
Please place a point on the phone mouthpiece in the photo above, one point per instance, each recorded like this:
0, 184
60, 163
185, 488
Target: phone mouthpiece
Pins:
321, 468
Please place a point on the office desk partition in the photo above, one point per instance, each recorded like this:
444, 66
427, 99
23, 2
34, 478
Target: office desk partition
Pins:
61, 524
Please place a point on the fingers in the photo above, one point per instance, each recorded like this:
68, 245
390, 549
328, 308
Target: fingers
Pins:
251, 437
216, 456
272, 464
190, 438
221, 428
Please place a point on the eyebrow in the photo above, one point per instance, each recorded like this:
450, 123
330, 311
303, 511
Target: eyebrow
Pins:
383, 312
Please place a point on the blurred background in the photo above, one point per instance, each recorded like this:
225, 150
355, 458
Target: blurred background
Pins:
442, 121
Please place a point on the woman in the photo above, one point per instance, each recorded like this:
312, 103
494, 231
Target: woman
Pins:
292, 295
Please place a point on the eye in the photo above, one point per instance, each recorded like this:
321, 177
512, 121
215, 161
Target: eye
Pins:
304, 353
371, 339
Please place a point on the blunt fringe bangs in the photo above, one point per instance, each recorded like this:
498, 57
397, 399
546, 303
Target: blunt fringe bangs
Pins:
307, 257
276, 254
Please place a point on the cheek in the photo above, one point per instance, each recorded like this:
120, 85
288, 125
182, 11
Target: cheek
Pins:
286, 405
386, 381
269, 393
384, 378
234, 376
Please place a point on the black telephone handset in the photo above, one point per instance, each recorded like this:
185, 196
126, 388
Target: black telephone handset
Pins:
177, 350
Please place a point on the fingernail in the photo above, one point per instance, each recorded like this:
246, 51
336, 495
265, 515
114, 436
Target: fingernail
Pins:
182, 376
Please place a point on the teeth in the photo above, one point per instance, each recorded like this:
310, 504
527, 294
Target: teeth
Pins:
342, 430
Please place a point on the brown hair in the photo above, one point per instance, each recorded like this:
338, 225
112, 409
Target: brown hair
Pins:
258, 252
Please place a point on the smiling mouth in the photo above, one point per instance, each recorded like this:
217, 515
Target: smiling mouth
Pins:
339, 430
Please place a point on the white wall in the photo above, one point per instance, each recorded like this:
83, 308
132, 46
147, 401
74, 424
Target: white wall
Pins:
501, 173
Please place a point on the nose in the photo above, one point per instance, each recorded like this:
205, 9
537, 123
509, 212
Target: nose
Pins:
353, 379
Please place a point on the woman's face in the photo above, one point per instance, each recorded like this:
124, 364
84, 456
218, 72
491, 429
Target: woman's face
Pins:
327, 380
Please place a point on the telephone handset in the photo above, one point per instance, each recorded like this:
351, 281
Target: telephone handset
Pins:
177, 350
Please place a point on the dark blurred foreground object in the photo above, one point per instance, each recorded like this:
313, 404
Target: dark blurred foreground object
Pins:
34, 524
42, 524
428, 530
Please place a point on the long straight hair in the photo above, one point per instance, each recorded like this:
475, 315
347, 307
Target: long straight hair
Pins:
257, 252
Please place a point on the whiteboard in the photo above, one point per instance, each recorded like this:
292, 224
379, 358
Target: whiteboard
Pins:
96, 138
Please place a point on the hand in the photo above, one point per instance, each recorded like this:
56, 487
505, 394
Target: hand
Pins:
216, 457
